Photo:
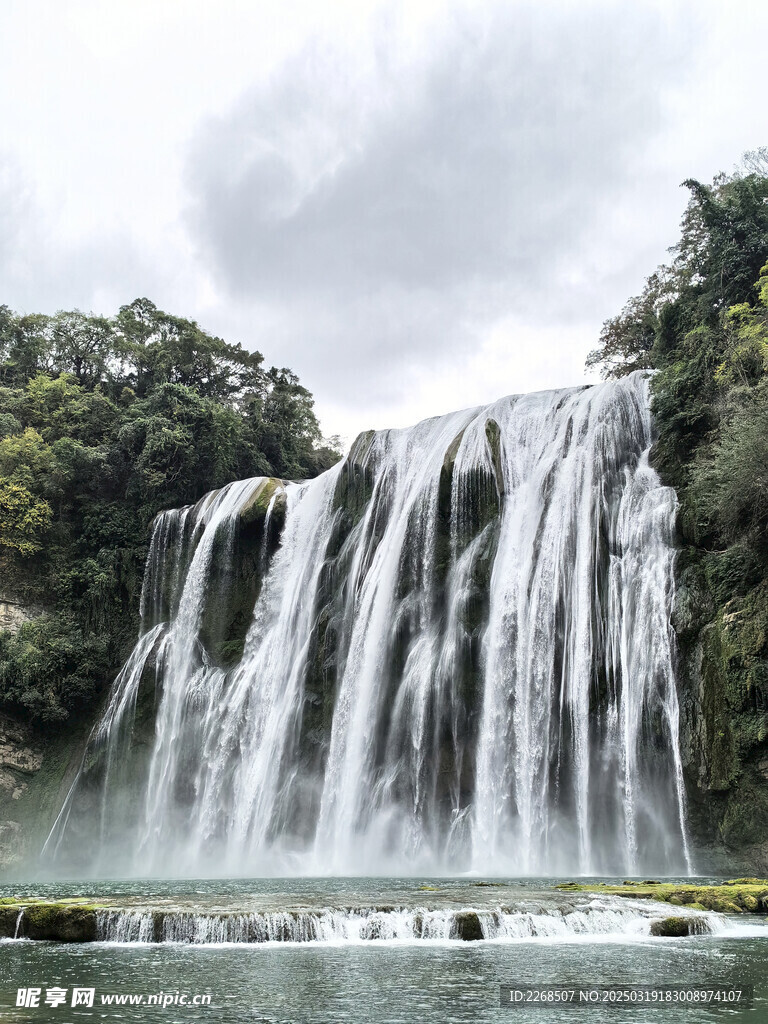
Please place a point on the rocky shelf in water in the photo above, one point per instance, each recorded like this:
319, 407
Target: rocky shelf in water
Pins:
586, 909
736, 896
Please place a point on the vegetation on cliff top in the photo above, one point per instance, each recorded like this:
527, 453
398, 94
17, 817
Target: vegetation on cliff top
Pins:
103, 423
702, 323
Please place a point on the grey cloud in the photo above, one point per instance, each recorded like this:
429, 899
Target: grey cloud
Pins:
479, 166
388, 217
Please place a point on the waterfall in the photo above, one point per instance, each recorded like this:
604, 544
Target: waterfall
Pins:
450, 652
605, 917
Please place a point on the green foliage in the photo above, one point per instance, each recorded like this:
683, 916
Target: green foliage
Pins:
730, 481
103, 423
50, 667
723, 245
23, 518
627, 340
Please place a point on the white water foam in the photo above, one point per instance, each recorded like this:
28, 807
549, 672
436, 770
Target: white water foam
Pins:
592, 919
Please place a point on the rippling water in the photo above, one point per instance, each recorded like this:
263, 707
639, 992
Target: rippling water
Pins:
356, 982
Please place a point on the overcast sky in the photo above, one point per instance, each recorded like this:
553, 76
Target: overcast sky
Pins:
417, 207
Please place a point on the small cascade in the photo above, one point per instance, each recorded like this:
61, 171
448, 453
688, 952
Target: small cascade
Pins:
625, 918
596, 918
125, 926
450, 652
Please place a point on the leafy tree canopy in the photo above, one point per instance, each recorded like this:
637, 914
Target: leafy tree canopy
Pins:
104, 421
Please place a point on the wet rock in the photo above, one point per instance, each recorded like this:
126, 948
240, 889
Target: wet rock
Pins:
12, 843
55, 922
254, 509
9, 916
467, 926
673, 927
13, 614
60, 923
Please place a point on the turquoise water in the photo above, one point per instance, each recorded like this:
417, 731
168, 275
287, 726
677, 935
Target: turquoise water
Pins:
434, 981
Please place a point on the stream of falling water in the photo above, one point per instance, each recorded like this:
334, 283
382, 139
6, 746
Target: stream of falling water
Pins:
456, 656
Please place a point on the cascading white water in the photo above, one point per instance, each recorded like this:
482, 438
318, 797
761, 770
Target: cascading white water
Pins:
592, 916
458, 656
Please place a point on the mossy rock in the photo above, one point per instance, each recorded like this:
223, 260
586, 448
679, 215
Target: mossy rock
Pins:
60, 922
672, 927
724, 701
9, 916
65, 921
735, 896
725, 907
493, 437
745, 820
354, 486
254, 509
238, 567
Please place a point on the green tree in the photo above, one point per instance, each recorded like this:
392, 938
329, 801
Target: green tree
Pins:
24, 518
721, 250
162, 349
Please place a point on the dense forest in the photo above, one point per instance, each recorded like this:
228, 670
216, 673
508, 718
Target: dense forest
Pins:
103, 423
701, 322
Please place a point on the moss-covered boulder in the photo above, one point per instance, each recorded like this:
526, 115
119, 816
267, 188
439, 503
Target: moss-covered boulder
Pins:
239, 565
673, 927
255, 508
64, 921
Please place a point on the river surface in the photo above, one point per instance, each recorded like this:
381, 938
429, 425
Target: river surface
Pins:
542, 936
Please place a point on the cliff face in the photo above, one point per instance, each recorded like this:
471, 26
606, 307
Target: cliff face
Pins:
35, 772
34, 766
21, 758
14, 613
723, 686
